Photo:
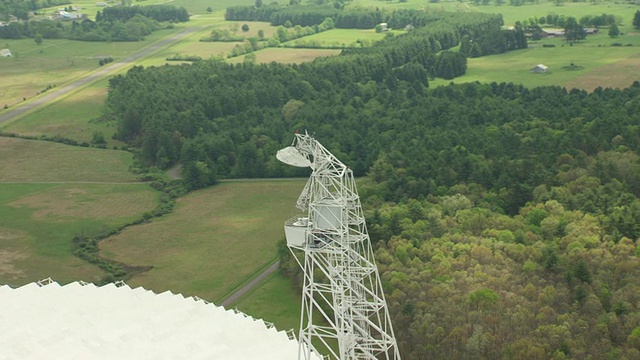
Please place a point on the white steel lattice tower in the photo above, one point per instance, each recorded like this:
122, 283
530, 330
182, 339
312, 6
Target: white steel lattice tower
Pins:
342, 297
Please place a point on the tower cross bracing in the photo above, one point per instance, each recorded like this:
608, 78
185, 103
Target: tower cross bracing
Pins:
342, 298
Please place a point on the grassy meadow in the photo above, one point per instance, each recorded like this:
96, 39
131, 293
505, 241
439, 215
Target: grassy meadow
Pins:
287, 55
57, 61
341, 38
29, 161
274, 301
191, 45
74, 117
215, 239
596, 64
50, 193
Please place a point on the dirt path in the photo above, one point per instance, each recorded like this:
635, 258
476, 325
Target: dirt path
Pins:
52, 95
174, 172
250, 285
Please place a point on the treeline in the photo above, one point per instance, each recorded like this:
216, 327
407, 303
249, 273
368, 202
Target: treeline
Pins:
482, 32
348, 19
494, 41
21, 8
251, 13
400, 64
410, 58
281, 35
503, 137
561, 20
156, 12
134, 29
311, 15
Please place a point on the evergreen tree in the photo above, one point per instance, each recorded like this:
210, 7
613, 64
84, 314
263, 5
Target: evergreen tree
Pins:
636, 20
573, 31
614, 31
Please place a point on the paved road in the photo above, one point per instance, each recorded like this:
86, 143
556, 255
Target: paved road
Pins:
52, 95
251, 284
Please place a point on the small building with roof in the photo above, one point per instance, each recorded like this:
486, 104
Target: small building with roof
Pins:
539, 69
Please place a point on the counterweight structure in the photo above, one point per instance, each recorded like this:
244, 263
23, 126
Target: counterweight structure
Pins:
342, 297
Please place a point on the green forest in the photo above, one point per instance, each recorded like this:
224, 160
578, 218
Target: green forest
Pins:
504, 218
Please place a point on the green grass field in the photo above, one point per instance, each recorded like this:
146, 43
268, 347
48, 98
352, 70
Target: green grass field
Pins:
274, 301
341, 38
39, 221
28, 161
191, 45
50, 193
74, 117
214, 240
597, 64
288, 56
56, 62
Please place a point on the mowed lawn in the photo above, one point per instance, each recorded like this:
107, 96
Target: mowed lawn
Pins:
51, 193
213, 241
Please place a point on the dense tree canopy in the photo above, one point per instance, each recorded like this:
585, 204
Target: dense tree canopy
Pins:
155, 12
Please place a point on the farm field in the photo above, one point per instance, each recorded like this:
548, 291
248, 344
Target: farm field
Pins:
50, 193
288, 56
27, 161
57, 61
340, 38
74, 117
215, 239
595, 66
191, 45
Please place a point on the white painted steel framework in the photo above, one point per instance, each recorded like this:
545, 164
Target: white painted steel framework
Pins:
342, 297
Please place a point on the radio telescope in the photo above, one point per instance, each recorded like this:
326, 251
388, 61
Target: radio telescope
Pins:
45, 320
342, 297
